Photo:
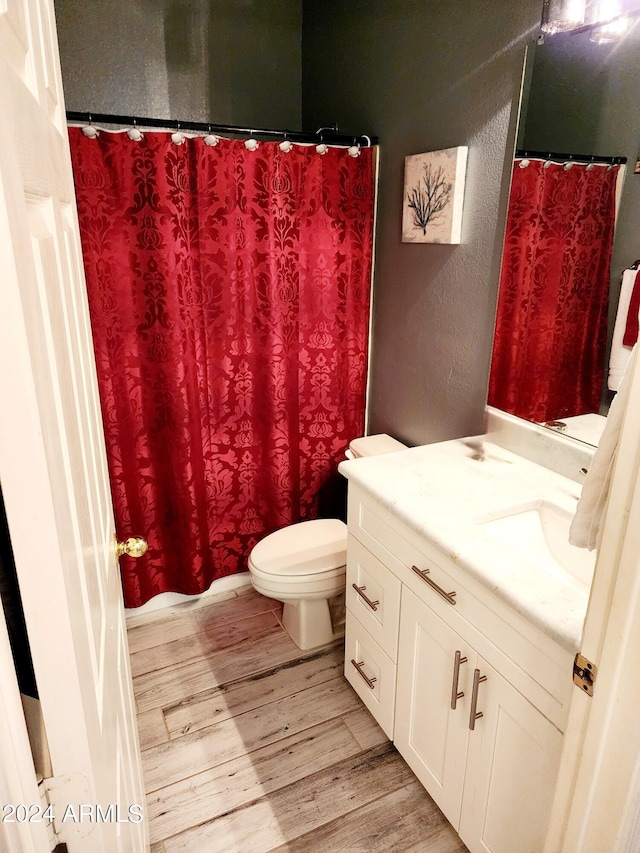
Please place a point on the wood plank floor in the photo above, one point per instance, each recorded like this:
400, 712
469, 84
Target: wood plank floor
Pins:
250, 745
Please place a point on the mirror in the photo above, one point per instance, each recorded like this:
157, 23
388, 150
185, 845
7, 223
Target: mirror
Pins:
579, 97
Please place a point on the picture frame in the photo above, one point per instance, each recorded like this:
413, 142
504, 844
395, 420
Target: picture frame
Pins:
433, 196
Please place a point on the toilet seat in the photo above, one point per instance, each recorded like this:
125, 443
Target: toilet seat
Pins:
303, 586
304, 560
306, 549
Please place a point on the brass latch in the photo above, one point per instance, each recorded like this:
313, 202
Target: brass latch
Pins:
134, 546
584, 673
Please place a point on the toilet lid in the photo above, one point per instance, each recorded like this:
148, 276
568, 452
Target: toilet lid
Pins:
306, 548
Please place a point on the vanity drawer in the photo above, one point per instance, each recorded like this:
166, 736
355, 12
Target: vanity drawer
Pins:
371, 673
417, 564
373, 596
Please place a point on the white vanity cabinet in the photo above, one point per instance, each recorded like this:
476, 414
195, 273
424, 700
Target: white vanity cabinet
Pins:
488, 755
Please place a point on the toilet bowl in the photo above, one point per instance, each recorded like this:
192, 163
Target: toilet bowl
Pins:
304, 565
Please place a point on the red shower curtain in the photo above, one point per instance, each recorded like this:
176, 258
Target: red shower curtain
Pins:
229, 298
551, 326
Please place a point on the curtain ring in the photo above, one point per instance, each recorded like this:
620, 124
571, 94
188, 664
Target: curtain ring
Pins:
89, 130
211, 139
286, 145
134, 133
251, 144
353, 150
177, 138
322, 148
524, 163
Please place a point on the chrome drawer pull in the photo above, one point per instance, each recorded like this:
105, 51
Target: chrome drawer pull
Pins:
455, 695
360, 590
475, 715
358, 666
448, 596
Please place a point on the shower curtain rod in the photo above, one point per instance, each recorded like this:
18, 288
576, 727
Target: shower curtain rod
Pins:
330, 135
573, 158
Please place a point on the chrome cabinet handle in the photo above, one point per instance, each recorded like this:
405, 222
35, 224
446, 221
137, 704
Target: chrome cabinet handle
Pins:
449, 597
473, 714
360, 590
369, 681
455, 695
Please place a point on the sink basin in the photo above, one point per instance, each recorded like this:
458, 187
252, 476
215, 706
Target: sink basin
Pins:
540, 530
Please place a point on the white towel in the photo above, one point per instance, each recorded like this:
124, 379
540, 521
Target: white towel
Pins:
619, 355
585, 527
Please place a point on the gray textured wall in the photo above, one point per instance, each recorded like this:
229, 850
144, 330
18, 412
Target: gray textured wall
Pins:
424, 76
224, 61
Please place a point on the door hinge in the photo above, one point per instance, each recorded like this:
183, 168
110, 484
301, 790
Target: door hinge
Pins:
584, 674
67, 796
47, 815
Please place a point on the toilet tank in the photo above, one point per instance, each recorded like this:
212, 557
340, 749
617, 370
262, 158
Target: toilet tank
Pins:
373, 445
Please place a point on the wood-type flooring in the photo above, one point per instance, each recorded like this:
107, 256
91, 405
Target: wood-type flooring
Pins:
250, 745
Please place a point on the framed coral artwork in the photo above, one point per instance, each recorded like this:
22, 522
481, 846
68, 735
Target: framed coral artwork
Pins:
433, 196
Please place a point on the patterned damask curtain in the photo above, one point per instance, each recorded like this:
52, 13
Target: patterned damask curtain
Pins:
551, 326
229, 297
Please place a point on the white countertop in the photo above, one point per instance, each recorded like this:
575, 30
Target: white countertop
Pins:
441, 491
587, 428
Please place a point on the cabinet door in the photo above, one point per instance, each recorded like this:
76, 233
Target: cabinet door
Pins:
430, 736
512, 762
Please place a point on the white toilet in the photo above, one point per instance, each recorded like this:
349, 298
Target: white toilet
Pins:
304, 565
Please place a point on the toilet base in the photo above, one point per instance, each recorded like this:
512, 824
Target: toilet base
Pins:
308, 622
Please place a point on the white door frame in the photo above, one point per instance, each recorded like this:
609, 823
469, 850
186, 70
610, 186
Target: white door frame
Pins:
597, 802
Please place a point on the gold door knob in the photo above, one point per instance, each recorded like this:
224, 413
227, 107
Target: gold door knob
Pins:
134, 546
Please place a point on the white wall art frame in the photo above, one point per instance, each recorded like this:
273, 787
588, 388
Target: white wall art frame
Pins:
433, 196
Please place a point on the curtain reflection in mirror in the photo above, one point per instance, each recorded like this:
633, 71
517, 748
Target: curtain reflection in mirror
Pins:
551, 325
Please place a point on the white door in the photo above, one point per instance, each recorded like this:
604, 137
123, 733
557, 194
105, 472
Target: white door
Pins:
52, 456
